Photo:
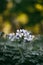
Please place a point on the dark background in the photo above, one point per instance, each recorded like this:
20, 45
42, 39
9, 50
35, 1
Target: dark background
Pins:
16, 14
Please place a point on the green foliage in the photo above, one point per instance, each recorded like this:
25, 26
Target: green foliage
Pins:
15, 53
3, 4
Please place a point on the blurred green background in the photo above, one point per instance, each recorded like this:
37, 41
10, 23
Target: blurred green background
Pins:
26, 14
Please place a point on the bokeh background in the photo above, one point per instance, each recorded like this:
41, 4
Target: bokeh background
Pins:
18, 14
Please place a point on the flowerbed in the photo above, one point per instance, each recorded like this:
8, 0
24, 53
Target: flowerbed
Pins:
21, 48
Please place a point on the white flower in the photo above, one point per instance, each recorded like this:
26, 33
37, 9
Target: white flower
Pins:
24, 31
31, 37
11, 35
18, 31
17, 35
21, 30
21, 34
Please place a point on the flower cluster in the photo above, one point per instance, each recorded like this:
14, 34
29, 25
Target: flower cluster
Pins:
26, 35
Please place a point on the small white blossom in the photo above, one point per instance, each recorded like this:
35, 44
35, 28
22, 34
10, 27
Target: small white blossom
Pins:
18, 31
21, 33
24, 31
11, 35
21, 30
17, 35
31, 37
